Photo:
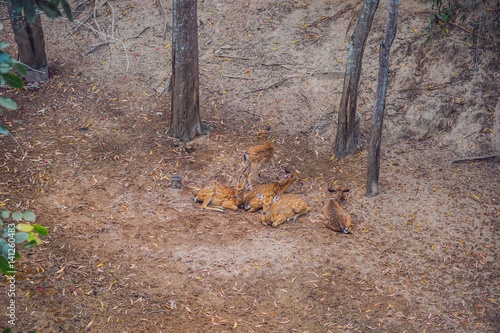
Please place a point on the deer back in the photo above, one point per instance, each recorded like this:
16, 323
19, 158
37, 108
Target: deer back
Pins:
253, 200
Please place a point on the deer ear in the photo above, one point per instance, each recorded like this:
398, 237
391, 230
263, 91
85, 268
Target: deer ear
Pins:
276, 198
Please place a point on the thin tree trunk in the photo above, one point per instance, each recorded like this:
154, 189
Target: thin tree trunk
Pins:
31, 46
185, 121
378, 112
345, 142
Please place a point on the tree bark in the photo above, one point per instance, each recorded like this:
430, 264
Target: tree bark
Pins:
345, 142
185, 121
378, 112
31, 46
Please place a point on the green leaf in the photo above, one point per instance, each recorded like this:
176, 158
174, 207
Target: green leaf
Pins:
17, 216
5, 58
21, 237
1, 223
33, 239
41, 230
5, 214
20, 68
29, 216
24, 227
4, 268
13, 80
3, 45
29, 11
3, 130
8, 104
4, 249
49, 9
67, 10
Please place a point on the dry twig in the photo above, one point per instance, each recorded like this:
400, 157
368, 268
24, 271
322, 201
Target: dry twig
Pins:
234, 57
475, 158
274, 85
165, 16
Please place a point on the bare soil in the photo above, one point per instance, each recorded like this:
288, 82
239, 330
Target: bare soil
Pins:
127, 253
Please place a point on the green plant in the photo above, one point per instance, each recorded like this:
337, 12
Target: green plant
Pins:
7, 64
49, 7
479, 19
14, 233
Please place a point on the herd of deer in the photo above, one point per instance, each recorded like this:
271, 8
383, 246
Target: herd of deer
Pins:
277, 207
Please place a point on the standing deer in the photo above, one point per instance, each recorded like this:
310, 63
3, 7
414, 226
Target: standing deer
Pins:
219, 197
253, 203
282, 209
336, 218
256, 156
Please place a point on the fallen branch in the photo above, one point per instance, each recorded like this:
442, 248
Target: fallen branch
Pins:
95, 47
475, 158
285, 66
234, 57
110, 39
139, 34
165, 17
238, 77
274, 85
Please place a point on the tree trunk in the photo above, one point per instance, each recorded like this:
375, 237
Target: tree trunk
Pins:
345, 142
31, 46
378, 112
185, 121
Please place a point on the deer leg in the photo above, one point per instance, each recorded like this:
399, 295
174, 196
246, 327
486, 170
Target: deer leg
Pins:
280, 220
247, 172
296, 216
216, 208
208, 200
229, 205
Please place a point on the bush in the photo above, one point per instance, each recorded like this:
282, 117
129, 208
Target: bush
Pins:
13, 232
475, 17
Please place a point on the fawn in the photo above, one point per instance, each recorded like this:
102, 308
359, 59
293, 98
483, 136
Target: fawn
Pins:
253, 203
336, 218
256, 156
219, 197
282, 209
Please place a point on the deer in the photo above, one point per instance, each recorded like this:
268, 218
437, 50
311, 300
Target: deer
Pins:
337, 219
284, 208
256, 156
253, 203
220, 197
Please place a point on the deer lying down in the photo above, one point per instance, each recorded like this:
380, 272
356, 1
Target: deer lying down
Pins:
336, 218
219, 197
282, 209
253, 203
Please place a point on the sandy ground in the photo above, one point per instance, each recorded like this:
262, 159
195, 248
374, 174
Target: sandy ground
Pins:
127, 253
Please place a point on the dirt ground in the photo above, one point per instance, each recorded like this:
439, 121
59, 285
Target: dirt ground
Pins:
127, 253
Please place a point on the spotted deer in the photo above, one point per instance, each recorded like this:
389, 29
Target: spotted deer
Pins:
219, 197
253, 203
284, 208
337, 219
256, 156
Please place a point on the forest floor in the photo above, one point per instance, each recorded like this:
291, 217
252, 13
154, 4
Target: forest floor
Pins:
127, 253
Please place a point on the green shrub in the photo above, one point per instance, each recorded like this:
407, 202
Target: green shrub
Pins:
17, 228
